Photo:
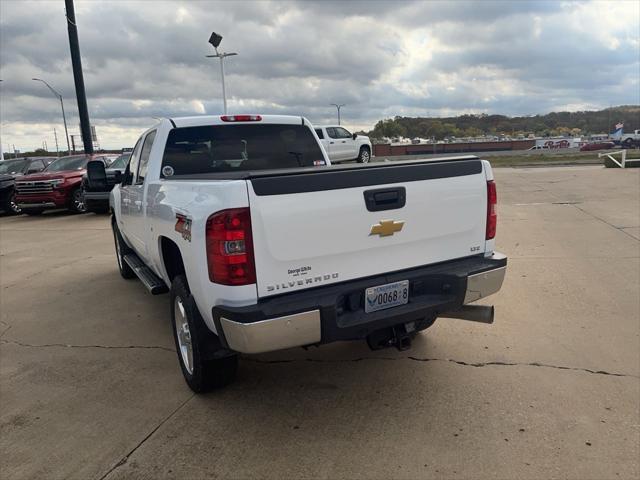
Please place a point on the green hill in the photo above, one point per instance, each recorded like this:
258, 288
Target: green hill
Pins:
551, 124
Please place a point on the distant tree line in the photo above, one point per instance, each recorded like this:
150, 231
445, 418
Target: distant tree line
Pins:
549, 125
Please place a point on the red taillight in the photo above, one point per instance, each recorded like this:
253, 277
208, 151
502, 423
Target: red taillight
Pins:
241, 118
492, 215
230, 247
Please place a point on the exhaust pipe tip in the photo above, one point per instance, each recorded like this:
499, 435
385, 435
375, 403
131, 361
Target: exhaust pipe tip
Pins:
473, 313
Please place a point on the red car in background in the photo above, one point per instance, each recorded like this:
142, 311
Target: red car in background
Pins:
588, 147
57, 186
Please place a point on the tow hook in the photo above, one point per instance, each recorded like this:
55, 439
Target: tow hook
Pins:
399, 336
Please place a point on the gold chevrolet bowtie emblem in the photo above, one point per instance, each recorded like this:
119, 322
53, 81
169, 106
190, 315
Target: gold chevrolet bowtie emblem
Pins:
386, 228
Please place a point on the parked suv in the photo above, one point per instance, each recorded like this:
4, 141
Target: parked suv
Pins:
17, 167
58, 186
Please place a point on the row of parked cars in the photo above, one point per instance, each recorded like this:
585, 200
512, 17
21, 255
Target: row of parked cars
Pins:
33, 185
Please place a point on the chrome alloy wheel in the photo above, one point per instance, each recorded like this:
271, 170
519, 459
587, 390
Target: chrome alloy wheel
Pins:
14, 206
183, 334
365, 156
78, 201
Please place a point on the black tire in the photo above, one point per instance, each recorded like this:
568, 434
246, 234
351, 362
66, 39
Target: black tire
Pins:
628, 143
33, 211
121, 250
365, 155
77, 204
11, 207
210, 366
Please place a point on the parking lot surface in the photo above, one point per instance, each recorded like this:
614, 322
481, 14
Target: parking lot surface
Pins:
90, 385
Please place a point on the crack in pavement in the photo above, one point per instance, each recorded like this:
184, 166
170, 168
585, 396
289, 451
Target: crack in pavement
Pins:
457, 362
124, 459
107, 347
359, 359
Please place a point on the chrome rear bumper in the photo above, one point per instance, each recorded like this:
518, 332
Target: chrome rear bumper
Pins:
273, 334
255, 335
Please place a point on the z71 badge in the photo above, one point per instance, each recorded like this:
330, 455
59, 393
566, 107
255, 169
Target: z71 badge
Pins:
183, 226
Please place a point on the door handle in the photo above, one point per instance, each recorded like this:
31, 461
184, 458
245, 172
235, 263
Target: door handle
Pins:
138, 203
344, 141
331, 143
126, 201
385, 199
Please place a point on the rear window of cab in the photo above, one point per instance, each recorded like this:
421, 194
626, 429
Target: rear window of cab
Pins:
242, 147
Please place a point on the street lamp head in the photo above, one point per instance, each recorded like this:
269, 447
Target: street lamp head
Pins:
215, 39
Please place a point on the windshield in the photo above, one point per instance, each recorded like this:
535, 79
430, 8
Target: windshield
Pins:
231, 148
12, 166
68, 163
120, 162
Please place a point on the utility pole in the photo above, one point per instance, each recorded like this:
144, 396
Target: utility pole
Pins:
78, 78
64, 118
339, 106
55, 135
215, 40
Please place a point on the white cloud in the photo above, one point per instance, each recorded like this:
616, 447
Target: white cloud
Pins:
145, 59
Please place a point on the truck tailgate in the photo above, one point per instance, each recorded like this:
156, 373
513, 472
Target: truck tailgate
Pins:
334, 225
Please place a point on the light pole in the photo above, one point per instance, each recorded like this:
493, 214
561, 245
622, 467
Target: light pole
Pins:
64, 118
215, 40
339, 106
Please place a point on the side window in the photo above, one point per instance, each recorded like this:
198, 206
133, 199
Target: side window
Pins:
332, 132
133, 163
144, 157
319, 133
36, 166
343, 132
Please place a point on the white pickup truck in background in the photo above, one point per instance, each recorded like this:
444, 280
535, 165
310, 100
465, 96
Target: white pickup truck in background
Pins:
263, 245
342, 146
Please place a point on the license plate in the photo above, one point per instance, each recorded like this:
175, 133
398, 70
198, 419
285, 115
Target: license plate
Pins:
386, 296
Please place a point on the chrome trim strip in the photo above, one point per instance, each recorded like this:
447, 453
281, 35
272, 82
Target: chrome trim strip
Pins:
484, 284
273, 334
37, 205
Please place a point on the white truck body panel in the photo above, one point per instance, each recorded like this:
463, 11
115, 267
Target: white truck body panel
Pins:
327, 232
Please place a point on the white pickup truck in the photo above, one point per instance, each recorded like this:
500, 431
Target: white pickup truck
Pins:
341, 145
263, 245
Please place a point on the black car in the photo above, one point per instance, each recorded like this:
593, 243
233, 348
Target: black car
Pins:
96, 194
12, 168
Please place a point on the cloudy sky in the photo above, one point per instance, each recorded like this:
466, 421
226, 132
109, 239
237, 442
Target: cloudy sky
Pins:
381, 58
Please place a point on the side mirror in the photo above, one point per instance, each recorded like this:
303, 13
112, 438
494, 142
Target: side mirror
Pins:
96, 174
117, 178
355, 135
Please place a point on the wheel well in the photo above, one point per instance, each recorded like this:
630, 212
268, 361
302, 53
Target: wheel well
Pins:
171, 257
366, 147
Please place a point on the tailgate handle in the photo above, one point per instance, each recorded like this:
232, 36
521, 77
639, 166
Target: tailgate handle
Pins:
385, 199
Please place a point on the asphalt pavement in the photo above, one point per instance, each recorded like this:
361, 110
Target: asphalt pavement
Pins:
90, 385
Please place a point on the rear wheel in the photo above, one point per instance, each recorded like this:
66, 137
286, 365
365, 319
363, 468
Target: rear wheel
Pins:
77, 201
364, 156
121, 250
204, 364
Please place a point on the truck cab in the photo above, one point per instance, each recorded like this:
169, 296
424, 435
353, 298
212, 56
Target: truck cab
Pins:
342, 145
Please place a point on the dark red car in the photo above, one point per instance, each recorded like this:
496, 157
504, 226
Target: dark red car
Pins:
57, 186
588, 147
